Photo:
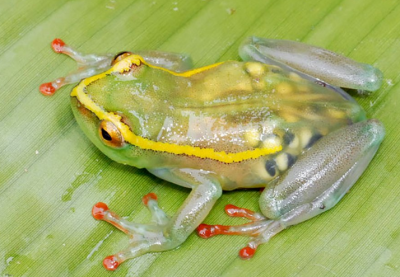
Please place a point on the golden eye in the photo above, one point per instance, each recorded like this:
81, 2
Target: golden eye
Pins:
120, 56
110, 134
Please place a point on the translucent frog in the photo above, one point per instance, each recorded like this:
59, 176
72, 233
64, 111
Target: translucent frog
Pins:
277, 120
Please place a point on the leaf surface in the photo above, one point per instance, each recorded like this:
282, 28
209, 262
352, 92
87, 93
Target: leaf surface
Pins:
51, 175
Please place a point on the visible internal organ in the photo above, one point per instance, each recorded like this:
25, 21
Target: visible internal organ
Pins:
293, 145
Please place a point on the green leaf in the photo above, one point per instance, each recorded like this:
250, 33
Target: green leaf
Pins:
51, 175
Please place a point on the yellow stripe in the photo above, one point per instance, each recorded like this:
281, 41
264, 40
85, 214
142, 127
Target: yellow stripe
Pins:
143, 143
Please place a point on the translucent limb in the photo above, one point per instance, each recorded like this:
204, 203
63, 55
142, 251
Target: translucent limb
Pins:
318, 63
163, 233
260, 229
235, 211
158, 215
143, 237
323, 174
313, 185
173, 61
92, 64
88, 65
135, 249
101, 211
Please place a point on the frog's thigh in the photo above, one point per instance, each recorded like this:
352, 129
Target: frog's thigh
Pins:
319, 63
172, 61
205, 192
320, 178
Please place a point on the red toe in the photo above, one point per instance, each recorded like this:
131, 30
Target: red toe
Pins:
110, 263
98, 210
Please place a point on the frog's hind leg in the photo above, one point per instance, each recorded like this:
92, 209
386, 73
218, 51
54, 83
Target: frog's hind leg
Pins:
313, 63
260, 229
250, 229
313, 185
255, 229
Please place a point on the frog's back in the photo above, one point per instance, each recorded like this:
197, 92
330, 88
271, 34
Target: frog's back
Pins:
239, 107
243, 106
234, 107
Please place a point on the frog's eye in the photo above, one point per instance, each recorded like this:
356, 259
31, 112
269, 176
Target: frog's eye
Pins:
120, 56
110, 134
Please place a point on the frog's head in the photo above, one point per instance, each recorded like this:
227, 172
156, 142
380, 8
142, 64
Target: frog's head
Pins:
108, 107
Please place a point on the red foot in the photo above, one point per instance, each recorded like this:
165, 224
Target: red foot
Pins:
98, 211
247, 253
149, 196
232, 210
58, 45
206, 231
47, 89
110, 263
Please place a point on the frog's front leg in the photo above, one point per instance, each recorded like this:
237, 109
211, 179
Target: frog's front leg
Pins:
313, 62
91, 64
315, 183
164, 233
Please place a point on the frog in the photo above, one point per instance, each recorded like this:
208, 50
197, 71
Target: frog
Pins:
279, 120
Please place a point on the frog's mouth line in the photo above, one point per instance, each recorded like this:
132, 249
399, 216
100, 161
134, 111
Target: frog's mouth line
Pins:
206, 153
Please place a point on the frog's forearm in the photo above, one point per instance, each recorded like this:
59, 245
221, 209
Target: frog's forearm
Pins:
195, 208
204, 194
165, 233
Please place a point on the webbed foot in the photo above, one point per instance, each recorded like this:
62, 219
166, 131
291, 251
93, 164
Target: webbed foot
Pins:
260, 229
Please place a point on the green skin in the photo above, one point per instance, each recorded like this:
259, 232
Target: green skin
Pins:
178, 101
326, 140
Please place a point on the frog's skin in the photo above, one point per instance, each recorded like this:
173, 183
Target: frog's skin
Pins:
276, 120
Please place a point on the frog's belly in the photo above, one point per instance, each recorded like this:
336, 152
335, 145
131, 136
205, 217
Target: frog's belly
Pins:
250, 174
